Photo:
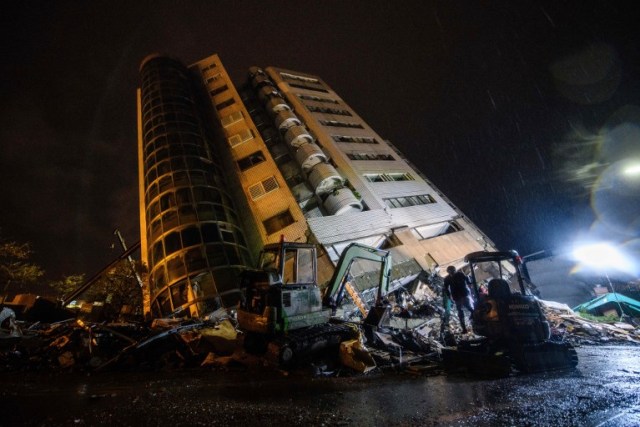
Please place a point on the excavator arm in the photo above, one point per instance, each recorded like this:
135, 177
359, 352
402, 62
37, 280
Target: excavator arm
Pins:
335, 290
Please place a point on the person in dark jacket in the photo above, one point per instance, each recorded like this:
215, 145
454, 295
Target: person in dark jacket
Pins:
455, 286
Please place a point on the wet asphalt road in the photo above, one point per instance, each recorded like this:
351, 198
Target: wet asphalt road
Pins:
604, 391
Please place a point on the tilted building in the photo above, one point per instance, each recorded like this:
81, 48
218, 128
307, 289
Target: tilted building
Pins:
225, 169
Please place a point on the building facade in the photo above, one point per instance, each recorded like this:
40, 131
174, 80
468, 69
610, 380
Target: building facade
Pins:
280, 155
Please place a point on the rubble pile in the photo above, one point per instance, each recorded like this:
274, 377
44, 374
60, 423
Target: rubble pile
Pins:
412, 343
77, 345
578, 330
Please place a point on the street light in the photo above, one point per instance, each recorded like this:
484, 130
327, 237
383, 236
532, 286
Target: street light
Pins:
602, 257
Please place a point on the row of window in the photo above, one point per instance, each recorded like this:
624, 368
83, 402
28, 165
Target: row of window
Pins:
251, 160
169, 117
289, 76
336, 123
202, 257
176, 101
225, 104
308, 87
355, 139
278, 222
209, 67
327, 110
212, 285
186, 196
154, 82
173, 140
218, 90
383, 177
184, 178
178, 164
172, 106
187, 215
213, 78
193, 235
403, 202
317, 99
172, 127
240, 137
369, 156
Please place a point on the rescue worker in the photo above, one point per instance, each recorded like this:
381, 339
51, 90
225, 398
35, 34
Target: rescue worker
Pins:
455, 287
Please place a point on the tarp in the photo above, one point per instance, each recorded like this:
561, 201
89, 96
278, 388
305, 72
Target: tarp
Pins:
628, 305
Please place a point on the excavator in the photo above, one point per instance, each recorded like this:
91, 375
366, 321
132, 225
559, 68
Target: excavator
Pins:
285, 314
513, 331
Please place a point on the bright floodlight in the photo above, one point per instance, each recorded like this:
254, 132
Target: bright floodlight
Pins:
602, 256
632, 170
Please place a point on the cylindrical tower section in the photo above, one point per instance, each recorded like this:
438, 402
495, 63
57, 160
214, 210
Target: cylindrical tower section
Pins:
194, 244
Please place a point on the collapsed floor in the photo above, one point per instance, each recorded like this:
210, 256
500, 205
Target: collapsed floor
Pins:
413, 341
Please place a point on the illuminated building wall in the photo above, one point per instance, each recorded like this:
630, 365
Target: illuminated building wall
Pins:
192, 239
225, 169
353, 185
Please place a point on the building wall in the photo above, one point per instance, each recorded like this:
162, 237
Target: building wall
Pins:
223, 172
194, 243
401, 208
269, 208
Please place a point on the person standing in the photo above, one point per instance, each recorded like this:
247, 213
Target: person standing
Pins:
456, 287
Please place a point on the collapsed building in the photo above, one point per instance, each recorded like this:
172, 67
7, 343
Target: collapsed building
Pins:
226, 169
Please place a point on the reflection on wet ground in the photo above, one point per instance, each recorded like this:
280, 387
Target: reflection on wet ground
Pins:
603, 391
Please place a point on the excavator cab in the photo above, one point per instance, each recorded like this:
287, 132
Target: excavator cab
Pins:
505, 309
512, 329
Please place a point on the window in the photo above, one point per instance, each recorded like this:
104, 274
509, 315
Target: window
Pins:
225, 104
355, 139
435, 230
403, 202
369, 156
278, 222
307, 87
289, 76
240, 137
231, 119
218, 90
209, 67
260, 189
318, 99
213, 78
383, 177
251, 160
327, 110
336, 123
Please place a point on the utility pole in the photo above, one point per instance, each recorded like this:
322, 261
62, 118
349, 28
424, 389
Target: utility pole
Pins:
129, 258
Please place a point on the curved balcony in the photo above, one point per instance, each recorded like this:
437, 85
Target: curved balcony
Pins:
342, 201
267, 92
324, 178
260, 80
297, 135
309, 155
276, 104
286, 119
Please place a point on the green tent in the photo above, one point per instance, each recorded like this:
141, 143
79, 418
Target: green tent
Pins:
612, 300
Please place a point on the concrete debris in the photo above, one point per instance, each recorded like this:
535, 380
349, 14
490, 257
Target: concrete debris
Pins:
354, 355
579, 330
419, 329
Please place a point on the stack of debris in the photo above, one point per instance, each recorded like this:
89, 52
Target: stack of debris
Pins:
578, 330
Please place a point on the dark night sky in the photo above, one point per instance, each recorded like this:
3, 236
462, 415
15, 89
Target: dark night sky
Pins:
503, 105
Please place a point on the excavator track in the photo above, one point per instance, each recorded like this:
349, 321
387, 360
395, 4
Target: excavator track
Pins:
545, 356
286, 350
